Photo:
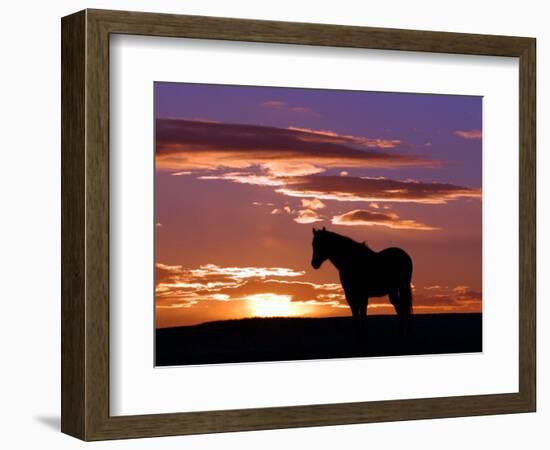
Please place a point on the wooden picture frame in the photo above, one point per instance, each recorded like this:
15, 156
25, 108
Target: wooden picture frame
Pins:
85, 224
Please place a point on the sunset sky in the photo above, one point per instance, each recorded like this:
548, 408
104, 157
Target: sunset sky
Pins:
244, 173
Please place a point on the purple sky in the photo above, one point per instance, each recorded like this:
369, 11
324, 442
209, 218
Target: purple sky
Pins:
248, 159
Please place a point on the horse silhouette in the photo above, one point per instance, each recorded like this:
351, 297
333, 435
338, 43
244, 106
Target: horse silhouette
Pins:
365, 273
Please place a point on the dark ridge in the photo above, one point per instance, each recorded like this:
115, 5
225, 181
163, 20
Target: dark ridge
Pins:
290, 338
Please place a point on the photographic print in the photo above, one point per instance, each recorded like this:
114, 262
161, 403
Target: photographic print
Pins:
300, 224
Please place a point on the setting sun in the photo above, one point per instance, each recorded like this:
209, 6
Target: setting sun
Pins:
271, 305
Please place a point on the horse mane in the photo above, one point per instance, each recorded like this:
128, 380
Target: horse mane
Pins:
345, 241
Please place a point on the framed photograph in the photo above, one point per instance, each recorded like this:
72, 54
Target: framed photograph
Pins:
271, 225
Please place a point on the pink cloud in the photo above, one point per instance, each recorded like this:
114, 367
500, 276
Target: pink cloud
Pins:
305, 216
313, 203
273, 104
365, 141
361, 217
284, 106
468, 134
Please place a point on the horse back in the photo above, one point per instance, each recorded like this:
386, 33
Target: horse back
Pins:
378, 273
395, 257
395, 260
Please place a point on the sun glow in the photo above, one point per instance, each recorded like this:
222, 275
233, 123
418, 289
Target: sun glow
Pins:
271, 305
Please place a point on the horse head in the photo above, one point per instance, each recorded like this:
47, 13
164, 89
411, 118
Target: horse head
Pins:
319, 248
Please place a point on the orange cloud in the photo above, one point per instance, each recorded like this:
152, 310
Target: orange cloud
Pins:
434, 287
460, 297
445, 299
254, 292
370, 218
179, 287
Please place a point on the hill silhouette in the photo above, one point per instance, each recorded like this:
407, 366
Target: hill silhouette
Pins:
284, 339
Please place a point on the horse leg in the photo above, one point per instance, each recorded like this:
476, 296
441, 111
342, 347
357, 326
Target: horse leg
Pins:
356, 318
362, 328
405, 302
353, 303
357, 327
363, 317
402, 304
395, 300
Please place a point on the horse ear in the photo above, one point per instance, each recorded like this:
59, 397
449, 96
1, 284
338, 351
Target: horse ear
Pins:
314, 231
324, 229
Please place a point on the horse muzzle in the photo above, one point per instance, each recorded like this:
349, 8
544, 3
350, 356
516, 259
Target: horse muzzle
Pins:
315, 264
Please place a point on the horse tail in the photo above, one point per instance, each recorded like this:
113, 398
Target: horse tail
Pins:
405, 308
405, 297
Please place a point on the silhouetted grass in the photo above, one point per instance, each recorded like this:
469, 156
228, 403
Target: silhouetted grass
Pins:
282, 338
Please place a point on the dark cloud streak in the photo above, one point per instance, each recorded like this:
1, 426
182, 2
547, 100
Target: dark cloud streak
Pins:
190, 144
374, 189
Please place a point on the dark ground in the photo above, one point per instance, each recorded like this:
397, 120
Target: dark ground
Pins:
280, 339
